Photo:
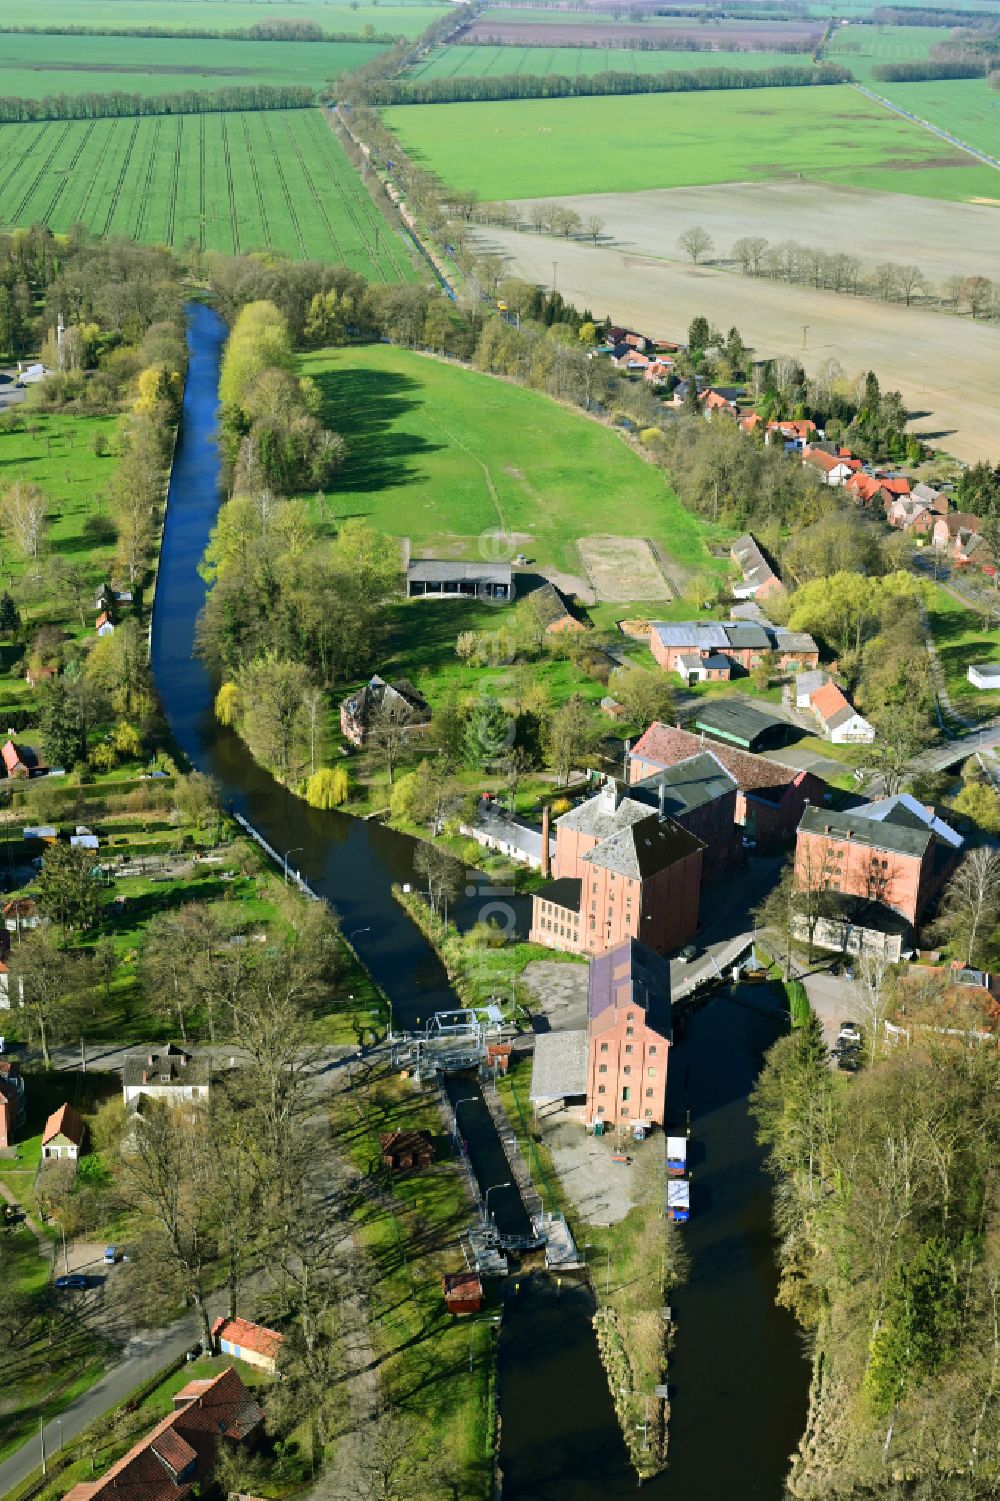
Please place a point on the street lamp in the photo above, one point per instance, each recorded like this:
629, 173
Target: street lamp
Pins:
469, 1099
296, 851
486, 1202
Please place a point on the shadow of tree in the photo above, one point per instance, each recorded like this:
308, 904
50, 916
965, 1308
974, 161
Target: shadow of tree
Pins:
365, 406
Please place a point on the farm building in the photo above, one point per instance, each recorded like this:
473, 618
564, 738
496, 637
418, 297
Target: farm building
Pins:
436, 578
254, 1343
12, 1108
759, 578
406, 1151
552, 610
463, 1292
841, 722
739, 723
378, 701
712, 650
14, 760
63, 1134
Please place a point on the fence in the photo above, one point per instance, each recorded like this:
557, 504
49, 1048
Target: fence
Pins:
272, 853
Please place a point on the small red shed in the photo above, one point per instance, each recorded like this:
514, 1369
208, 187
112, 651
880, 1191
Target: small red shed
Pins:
405, 1151
463, 1292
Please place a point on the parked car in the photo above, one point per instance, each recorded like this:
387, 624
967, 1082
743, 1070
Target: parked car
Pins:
195, 1352
75, 1280
110, 1255
849, 1033
688, 953
849, 1059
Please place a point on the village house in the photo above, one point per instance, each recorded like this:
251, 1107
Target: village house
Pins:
658, 371
180, 1452
12, 1107
629, 1034
909, 514
436, 578
36, 676
104, 625
406, 1151
496, 828
959, 535
894, 854
840, 721
379, 701
715, 401
15, 760
794, 434
770, 798
626, 357
63, 1134
834, 465
759, 578
621, 870
552, 611
170, 1074
253, 1343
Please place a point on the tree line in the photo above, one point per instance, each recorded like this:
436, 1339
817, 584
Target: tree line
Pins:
556, 86
263, 31
926, 71
119, 105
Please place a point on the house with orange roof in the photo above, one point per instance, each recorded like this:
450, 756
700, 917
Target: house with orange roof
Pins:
793, 433
63, 1135
834, 468
105, 626
181, 1451
13, 760
841, 722
254, 1343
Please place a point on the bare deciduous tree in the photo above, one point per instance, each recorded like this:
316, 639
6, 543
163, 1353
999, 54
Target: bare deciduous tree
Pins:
696, 243
971, 903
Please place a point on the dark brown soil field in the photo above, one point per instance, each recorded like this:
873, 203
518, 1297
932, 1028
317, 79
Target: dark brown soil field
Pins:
777, 36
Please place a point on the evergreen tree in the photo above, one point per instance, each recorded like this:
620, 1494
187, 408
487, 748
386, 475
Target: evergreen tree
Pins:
10, 618
59, 723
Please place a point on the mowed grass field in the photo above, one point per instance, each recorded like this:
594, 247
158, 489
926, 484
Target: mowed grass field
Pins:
32, 66
551, 147
231, 182
444, 455
340, 16
966, 107
573, 62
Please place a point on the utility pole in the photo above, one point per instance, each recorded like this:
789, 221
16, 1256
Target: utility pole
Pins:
555, 268
805, 333
41, 1440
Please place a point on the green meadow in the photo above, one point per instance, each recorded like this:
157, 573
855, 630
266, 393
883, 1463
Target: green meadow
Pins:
340, 17
573, 62
446, 456
966, 107
861, 48
32, 66
553, 147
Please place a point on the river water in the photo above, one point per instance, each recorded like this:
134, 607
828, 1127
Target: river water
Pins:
738, 1375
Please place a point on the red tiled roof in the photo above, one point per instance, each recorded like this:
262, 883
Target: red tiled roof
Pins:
219, 1407
663, 745
249, 1336
828, 701
820, 460
11, 756
64, 1122
103, 619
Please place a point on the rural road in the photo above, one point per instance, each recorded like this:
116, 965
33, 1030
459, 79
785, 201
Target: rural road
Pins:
935, 130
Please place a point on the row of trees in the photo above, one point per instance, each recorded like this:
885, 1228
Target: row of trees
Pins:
261, 31
584, 85
116, 104
926, 70
841, 271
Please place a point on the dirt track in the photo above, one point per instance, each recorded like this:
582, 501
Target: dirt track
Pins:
948, 369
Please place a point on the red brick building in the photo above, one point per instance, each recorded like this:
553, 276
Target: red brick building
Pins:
770, 798
628, 1036
12, 1109
621, 871
892, 858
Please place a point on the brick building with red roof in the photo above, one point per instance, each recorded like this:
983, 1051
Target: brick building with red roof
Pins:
770, 797
254, 1343
181, 1450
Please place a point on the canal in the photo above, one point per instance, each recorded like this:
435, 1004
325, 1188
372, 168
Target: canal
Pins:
738, 1376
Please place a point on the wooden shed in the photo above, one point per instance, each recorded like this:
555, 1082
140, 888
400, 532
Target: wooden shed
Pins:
463, 1292
406, 1151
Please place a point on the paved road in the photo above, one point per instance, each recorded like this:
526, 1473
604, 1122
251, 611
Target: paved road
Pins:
144, 1355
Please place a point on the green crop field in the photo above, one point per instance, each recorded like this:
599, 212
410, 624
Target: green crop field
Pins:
232, 182
966, 107
550, 147
32, 66
342, 16
444, 455
570, 62
861, 48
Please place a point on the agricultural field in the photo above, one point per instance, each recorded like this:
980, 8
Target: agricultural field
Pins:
862, 48
450, 458
544, 148
338, 17
538, 28
32, 66
571, 62
230, 182
965, 107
